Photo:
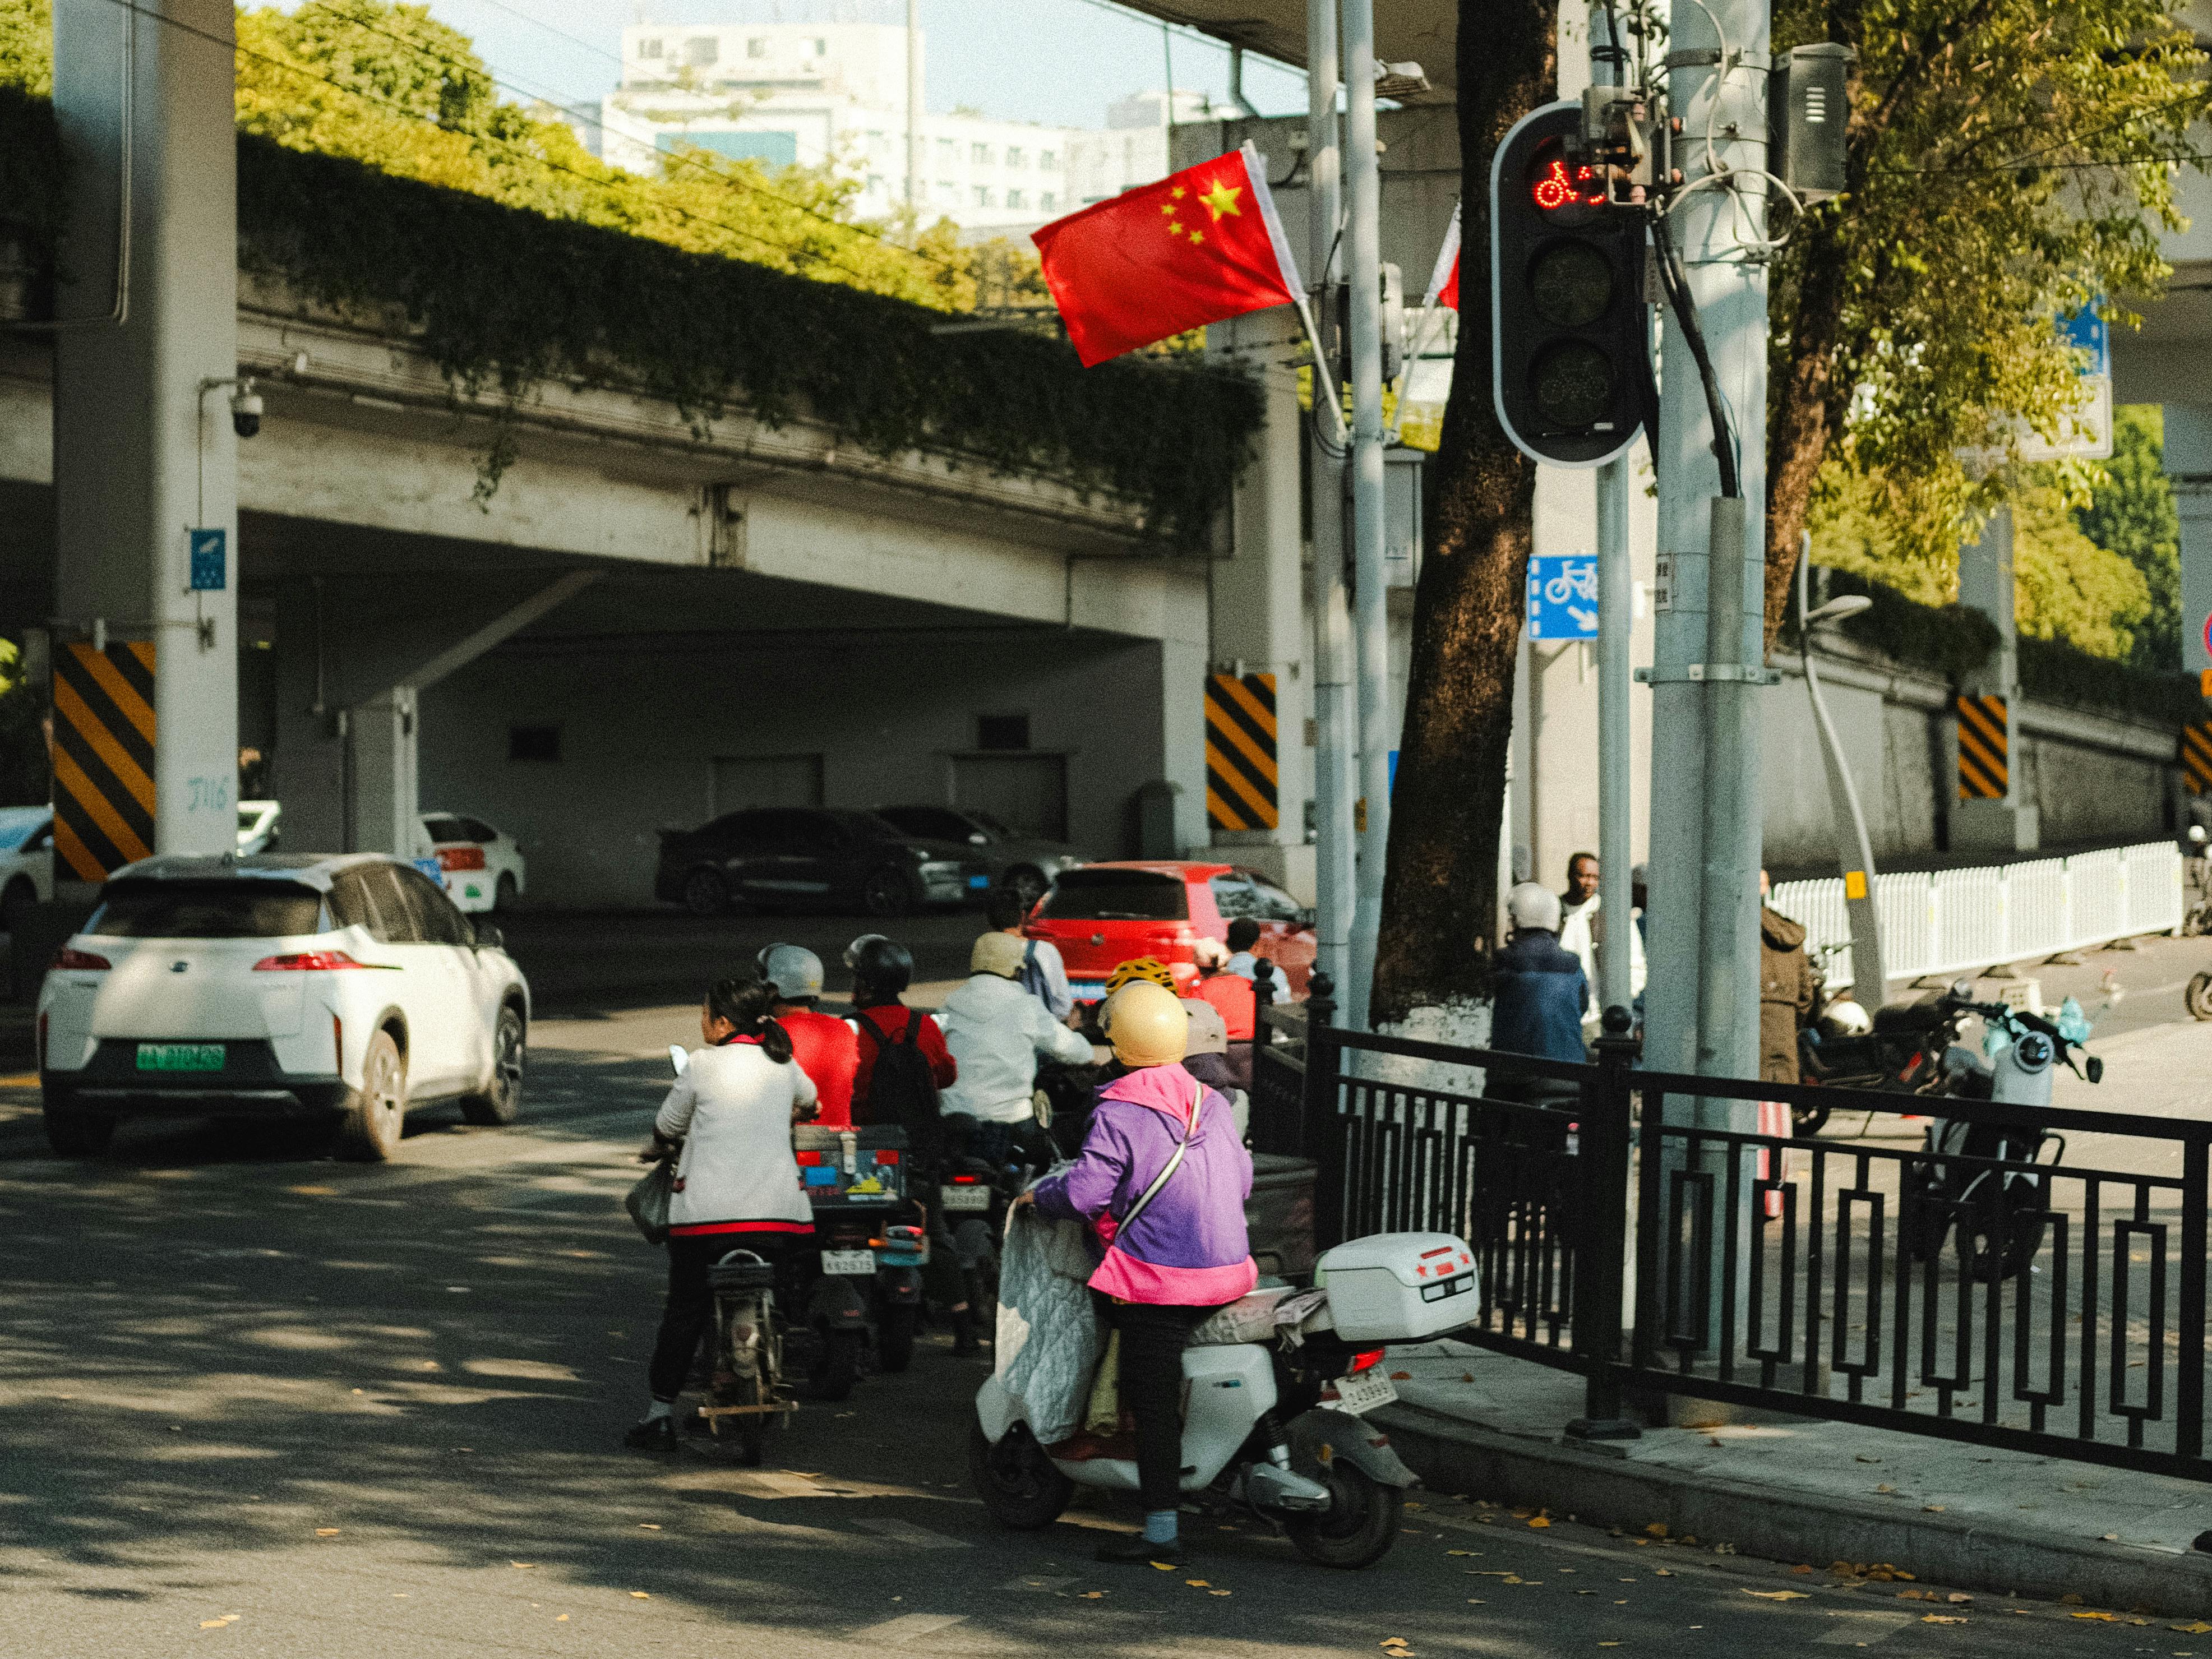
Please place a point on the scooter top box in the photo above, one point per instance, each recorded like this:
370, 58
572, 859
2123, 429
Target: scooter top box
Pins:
1399, 1287
851, 1166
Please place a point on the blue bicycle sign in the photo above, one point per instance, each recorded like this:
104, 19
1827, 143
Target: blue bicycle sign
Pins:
1563, 597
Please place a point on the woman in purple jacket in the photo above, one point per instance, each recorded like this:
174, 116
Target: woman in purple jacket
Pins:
1176, 1247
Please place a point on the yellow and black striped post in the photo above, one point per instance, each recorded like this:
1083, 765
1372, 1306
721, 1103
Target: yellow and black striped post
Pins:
103, 757
2197, 756
1984, 762
1239, 752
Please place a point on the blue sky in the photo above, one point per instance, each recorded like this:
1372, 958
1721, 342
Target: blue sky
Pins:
1057, 61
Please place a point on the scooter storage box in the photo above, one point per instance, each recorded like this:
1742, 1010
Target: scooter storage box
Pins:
1399, 1287
851, 1166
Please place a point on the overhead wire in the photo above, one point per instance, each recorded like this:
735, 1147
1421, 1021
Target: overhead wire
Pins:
793, 251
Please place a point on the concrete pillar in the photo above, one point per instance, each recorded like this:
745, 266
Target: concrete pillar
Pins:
2009, 823
2189, 467
144, 447
1259, 620
384, 808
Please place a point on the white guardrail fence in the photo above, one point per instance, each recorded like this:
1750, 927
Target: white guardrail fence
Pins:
1957, 921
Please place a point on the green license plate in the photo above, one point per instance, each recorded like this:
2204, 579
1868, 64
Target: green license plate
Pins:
180, 1056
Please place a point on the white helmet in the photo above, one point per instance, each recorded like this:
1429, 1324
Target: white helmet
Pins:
1845, 1017
1532, 904
793, 970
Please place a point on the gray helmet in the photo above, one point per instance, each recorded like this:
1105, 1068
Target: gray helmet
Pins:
1532, 904
793, 970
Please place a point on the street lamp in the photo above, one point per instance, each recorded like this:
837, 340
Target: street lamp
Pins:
1854, 851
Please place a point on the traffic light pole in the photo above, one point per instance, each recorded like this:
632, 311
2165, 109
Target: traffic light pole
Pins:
1370, 615
1334, 765
1702, 999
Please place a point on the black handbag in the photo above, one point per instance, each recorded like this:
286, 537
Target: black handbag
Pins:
648, 1201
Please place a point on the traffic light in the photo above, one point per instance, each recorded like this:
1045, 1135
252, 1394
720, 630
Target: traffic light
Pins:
1569, 337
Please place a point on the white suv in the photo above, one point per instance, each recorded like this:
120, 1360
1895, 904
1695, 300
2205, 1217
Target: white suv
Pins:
283, 986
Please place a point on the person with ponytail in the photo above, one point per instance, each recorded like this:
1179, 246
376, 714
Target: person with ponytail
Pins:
737, 1182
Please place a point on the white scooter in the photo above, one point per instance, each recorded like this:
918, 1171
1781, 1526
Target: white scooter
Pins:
1326, 1479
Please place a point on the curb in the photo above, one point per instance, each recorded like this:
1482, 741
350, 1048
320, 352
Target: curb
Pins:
1452, 1456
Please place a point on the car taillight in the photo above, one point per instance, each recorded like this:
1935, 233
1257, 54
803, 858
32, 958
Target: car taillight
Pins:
460, 858
966, 1180
81, 960
1366, 1360
337, 1040
304, 962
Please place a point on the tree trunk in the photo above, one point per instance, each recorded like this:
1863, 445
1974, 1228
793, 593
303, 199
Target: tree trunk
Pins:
1440, 895
1805, 409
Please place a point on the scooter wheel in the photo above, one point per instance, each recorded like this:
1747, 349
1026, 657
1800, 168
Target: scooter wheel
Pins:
1361, 1524
2198, 997
1022, 1488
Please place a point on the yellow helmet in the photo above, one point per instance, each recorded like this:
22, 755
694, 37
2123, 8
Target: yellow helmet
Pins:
1140, 967
1147, 1025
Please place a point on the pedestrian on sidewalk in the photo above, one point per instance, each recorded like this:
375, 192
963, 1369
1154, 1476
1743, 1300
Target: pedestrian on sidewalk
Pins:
1582, 931
822, 1044
1539, 996
737, 1182
1163, 1178
1786, 995
1245, 960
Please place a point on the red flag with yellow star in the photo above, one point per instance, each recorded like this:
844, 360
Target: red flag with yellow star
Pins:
1202, 245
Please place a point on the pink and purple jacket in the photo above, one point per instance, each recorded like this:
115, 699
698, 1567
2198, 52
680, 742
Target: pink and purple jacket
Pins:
1188, 1248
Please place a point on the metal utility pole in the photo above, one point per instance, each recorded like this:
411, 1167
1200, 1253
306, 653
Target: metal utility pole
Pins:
1616, 618
913, 191
1370, 615
1335, 784
1702, 999
1854, 849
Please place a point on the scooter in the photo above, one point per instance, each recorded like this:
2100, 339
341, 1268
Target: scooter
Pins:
1272, 1422
2002, 1212
747, 1386
863, 1296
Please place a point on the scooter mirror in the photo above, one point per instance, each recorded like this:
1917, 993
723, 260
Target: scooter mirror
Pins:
678, 1058
2094, 1068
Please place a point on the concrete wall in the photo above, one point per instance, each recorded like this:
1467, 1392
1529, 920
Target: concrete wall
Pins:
642, 723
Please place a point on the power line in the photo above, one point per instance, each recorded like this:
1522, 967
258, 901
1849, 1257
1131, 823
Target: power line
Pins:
791, 250
715, 173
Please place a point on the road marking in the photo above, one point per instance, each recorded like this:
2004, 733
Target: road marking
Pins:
905, 1532
1864, 1627
908, 1627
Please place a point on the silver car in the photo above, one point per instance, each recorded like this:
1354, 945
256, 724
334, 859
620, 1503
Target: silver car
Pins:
1022, 865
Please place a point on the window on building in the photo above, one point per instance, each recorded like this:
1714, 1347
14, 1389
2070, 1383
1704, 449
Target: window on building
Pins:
876, 186
982, 196
1049, 160
821, 47
1014, 199
701, 50
1048, 200
948, 192
1014, 156
946, 149
533, 742
757, 48
651, 48
879, 143
980, 154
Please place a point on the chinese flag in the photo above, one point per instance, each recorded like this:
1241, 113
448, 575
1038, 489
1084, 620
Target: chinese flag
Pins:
1444, 281
1199, 246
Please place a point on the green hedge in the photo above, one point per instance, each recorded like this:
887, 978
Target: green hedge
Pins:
1953, 642
505, 300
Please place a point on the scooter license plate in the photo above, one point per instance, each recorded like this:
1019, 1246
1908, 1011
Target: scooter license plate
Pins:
965, 1198
853, 1263
1363, 1391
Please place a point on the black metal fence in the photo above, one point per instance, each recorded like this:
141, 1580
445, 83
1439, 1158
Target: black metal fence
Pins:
1981, 1291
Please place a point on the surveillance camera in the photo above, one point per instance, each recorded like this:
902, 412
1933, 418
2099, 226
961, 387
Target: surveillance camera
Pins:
246, 413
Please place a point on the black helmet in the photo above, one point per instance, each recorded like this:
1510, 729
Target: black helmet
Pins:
881, 966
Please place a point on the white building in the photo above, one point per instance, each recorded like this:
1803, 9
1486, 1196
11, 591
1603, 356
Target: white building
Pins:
836, 93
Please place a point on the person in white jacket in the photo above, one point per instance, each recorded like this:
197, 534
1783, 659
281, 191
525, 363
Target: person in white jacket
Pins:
996, 1031
737, 1182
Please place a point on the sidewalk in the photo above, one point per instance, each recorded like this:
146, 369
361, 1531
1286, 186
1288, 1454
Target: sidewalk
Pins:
1801, 1491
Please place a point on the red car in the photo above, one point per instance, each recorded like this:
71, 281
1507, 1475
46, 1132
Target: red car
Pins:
1103, 914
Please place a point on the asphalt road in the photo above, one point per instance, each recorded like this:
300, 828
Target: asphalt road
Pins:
256, 1402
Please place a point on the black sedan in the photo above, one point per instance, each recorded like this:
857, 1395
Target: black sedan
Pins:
810, 858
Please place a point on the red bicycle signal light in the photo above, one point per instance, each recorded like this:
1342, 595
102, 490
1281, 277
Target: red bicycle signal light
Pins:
1555, 187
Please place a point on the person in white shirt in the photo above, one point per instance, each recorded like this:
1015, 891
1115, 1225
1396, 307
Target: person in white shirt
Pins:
996, 1031
1582, 931
1043, 973
1244, 959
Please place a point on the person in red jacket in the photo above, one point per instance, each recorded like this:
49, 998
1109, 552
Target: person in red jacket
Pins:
883, 968
824, 1046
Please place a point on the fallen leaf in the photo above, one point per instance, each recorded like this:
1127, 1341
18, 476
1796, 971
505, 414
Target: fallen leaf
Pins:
1662, 1572
2197, 1629
326, 1532
1198, 1583
1777, 1595
2107, 1618
1467, 1377
526, 1566
1401, 1376
1956, 1597
1941, 1619
1863, 1458
1656, 1530
2069, 1600
1164, 1566
1093, 1595
1221, 1592
2111, 1538
1884, 1488
1800, 1569
1841, 1566
1913, 1595
213, 1624
640, 1595
1540, 1521
1932, 1509
559, 1618
1462, 1552
649, 1526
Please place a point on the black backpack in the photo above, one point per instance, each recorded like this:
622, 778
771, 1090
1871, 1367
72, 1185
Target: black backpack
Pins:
900, 1090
